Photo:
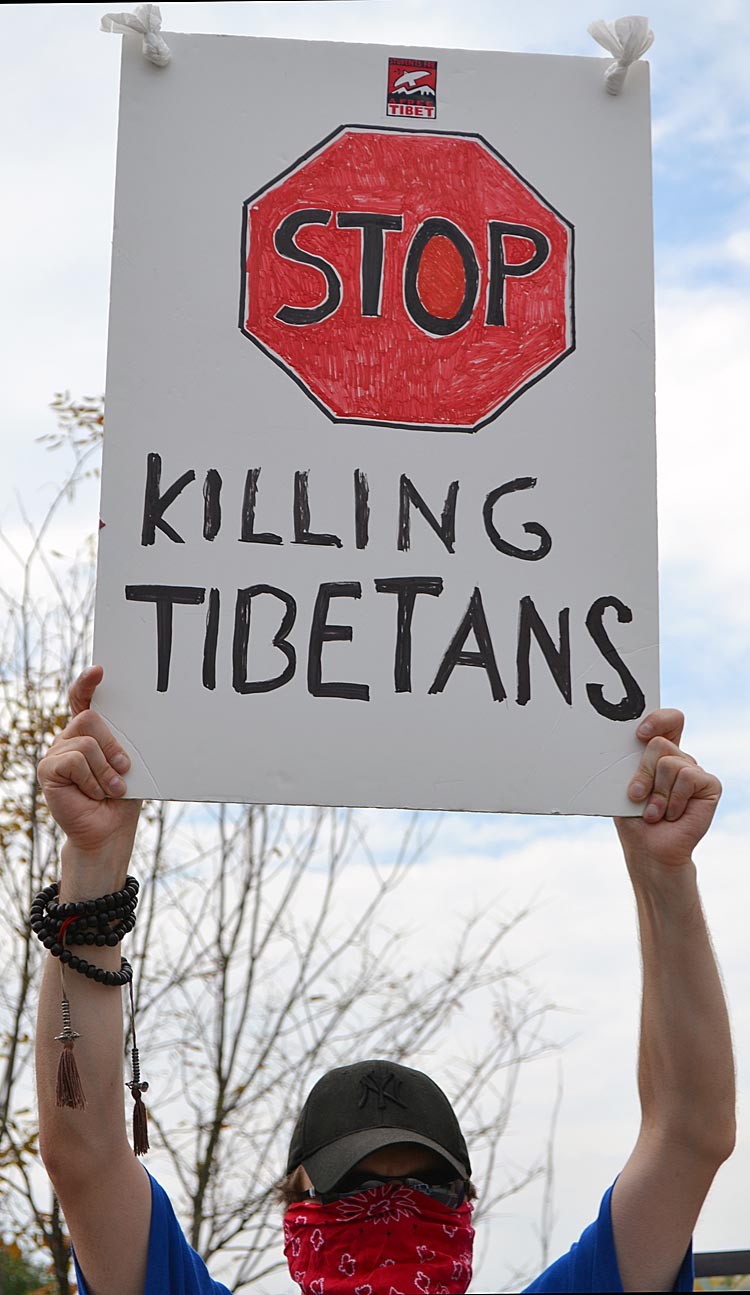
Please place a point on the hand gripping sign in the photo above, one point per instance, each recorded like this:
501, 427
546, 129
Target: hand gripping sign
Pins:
446, 241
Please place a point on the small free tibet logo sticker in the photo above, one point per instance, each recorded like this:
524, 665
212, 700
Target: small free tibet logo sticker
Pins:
412, 87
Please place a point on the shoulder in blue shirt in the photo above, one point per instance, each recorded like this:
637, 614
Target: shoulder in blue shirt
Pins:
173, 1266
591, 1263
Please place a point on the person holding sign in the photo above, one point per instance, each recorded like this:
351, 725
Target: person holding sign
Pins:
378, 1185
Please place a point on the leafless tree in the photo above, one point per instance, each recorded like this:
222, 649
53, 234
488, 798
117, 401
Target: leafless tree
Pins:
272, 943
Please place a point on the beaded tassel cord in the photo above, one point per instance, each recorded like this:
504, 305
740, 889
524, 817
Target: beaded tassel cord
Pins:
68, 1089
137, 1086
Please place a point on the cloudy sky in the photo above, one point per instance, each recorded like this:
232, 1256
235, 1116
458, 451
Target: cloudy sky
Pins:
58, 104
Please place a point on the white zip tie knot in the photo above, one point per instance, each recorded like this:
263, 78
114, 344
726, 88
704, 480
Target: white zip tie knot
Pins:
627, 39
145, 22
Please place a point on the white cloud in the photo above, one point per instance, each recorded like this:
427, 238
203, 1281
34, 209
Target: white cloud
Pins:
738, 247
703, 340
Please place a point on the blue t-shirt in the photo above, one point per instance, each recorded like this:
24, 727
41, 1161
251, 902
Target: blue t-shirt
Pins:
590, 1265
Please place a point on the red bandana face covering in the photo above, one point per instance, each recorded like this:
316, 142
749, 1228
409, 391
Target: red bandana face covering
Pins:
389, 1240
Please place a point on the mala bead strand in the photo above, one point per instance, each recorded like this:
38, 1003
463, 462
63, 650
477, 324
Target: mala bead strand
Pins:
101, 922
95, 921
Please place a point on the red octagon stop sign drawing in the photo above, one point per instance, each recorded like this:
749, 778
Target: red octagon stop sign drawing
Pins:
408, 278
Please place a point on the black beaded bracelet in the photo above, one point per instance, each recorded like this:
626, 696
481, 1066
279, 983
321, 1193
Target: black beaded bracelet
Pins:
84, 907
103, 921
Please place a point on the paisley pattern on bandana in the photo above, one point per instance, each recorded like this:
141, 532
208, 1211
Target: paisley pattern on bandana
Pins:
378, 1205
389, 1240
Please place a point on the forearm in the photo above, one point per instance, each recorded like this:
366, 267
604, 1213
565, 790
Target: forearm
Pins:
69, 1139
686, 1067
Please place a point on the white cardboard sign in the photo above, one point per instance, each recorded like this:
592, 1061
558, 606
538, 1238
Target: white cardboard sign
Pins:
378, 497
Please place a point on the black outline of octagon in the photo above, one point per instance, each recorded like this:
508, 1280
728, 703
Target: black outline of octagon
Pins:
384, 422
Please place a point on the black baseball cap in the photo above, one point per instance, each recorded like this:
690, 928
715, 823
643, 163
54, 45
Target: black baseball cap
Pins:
355, 1110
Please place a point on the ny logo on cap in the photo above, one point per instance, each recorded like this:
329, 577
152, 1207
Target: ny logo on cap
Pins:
385, 1090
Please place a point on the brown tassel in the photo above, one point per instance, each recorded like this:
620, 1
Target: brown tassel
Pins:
140, 1121
69, 1091
137, 1087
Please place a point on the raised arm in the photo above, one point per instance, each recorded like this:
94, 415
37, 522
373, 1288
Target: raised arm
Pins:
103, 1190
685, 1068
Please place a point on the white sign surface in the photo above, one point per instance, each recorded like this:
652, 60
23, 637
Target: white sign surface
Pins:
378, 499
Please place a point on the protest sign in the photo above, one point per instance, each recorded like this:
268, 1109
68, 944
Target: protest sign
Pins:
378, 498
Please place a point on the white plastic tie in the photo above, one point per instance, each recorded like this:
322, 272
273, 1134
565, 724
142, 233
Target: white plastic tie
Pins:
626, 38
145, 22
